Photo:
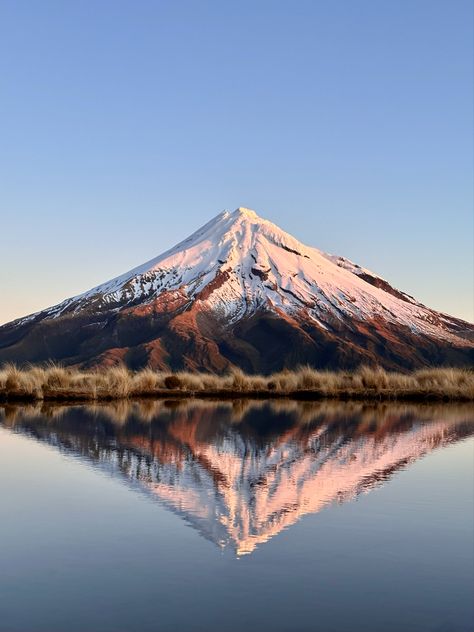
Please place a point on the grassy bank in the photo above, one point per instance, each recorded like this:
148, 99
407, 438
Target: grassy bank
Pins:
63, 384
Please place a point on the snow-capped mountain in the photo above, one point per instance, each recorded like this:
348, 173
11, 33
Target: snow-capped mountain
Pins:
241, 291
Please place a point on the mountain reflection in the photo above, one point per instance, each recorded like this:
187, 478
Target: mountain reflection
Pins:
241, 472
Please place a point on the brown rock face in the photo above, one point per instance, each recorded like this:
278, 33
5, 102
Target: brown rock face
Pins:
193, 338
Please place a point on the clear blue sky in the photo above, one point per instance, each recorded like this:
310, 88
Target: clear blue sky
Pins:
126, 124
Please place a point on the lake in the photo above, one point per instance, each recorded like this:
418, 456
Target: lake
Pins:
257, 516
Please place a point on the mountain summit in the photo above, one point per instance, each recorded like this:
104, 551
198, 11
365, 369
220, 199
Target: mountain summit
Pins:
241, 292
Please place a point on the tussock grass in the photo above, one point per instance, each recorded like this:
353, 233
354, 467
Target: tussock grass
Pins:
53, 382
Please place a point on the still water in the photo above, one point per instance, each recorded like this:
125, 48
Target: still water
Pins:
168, 516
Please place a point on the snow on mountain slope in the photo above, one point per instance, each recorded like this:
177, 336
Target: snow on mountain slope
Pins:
239, 263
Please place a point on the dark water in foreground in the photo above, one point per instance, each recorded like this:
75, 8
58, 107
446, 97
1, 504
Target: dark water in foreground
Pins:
271, 517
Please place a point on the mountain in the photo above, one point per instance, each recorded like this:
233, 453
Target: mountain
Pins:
241, 292
241, 479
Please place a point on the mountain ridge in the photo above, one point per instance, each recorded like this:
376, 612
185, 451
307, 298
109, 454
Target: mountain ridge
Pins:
236, 285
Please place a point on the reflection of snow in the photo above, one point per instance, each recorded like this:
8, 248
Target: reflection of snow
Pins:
258, 495
239, 490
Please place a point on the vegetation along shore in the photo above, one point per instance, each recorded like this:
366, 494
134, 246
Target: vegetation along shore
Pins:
53, 382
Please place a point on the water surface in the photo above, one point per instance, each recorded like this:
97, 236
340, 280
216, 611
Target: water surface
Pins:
224, 516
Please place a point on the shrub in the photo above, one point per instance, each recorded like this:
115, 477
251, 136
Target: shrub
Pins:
172, 382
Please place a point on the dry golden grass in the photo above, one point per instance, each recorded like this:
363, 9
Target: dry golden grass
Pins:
53, 382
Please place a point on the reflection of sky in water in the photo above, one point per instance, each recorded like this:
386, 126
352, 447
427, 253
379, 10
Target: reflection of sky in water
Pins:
239, 476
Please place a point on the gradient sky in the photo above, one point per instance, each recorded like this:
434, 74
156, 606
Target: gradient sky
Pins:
125, 125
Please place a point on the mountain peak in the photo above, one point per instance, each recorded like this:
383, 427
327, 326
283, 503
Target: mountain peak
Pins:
246, 212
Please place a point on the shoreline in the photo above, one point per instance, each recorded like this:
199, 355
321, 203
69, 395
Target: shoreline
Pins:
219, 395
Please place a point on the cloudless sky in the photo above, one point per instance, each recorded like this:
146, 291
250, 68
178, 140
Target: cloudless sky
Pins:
125, 125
